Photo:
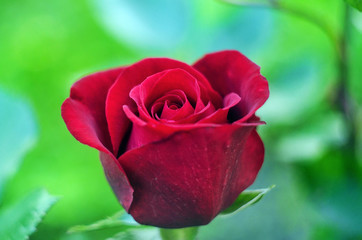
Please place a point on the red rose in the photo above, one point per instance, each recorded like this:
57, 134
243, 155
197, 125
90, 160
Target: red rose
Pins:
178, 143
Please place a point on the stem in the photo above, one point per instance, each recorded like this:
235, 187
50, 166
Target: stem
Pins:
179, 233
343, 99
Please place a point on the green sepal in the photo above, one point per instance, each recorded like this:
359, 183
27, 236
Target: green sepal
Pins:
246, 199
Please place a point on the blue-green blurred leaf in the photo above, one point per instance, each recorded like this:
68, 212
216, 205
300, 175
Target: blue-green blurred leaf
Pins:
18, 135
247, 31
246, 199
218, 26
145, 24
20, 219
356, 4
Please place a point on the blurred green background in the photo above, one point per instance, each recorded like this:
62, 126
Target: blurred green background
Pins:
45, 46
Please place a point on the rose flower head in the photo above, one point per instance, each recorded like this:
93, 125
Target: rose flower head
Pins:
178, 143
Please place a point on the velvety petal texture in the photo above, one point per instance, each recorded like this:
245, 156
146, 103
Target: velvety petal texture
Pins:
178, 143
188, 178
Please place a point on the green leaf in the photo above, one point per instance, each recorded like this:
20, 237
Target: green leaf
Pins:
20, 219
137, 234
18, 135
120, 220
356, 4
246, 199
179, 234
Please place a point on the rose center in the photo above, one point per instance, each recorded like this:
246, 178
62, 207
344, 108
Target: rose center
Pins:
168, 105
173, 106
174, 96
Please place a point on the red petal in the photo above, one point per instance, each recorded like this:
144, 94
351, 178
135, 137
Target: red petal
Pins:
231, 71
159, 84
84, 115
220, 116
132, 76
84, 111
117, 179
252, 159
164, 104
153, 130
188, 178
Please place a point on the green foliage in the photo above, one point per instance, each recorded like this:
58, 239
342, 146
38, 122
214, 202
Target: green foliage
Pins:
120, 226
246, 199
123, 227
18, 135
310, 142
120, 220
20, 219
356, 4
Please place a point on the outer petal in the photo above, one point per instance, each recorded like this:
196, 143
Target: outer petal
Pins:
117, 179
84, 114
84, 111
188, 178
132, 76
146, 132
231, 71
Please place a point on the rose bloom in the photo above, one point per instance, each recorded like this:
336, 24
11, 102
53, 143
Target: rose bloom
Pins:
178, 143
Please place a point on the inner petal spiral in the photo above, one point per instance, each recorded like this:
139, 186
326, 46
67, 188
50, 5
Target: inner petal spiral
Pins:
169, 95
174, 105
